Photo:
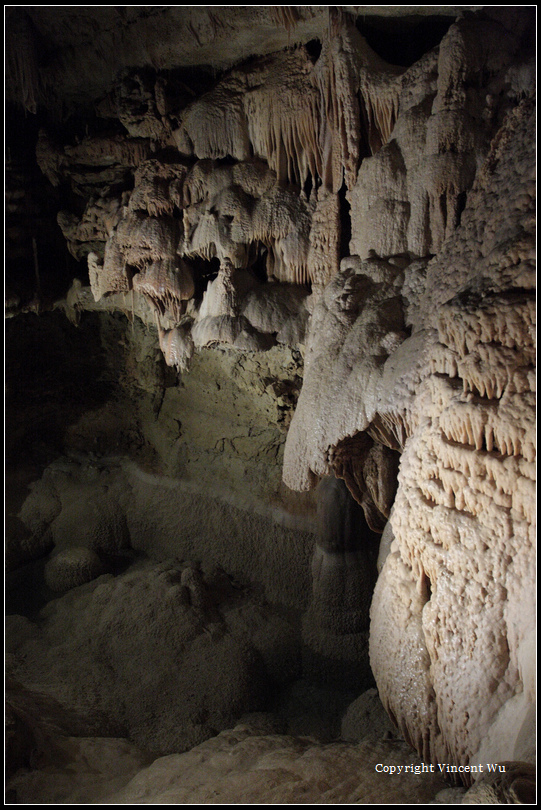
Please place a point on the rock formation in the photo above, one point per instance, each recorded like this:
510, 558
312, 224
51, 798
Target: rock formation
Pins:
299, 282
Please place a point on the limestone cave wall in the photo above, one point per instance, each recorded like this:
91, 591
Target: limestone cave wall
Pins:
270, 367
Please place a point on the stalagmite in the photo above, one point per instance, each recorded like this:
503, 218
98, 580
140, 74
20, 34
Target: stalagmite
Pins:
461, 484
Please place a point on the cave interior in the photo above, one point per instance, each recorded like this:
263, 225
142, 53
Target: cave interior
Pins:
270, 467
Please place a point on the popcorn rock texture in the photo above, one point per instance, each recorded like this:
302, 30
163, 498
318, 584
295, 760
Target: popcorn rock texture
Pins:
457, 586
72, 567
180, 628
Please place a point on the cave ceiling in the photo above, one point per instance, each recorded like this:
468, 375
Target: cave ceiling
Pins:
73, 53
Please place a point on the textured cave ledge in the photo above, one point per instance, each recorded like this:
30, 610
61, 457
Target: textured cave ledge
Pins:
359, 252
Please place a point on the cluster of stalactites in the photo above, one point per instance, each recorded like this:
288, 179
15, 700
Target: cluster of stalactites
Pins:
232, 211
141, 251
294, 129
178, 213
212, 211
370, 471
380, 98
305, 120
282, 120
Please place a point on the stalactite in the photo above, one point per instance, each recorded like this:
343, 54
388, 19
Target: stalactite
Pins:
96, 151
168, 284
230, 209
282, 114
286, 16
158, 187
177, 346
391, 429
337, 74
112, 276
144, 239
381, 103
215, 126
92, 231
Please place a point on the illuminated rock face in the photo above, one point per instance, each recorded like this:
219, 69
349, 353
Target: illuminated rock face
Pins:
320, 212
453, 607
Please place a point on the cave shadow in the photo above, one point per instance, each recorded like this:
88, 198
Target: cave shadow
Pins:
54, 372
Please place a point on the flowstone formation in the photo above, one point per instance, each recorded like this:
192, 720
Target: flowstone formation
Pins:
463, 519
288, 369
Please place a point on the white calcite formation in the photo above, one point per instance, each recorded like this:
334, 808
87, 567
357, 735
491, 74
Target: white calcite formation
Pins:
455, 597
359, 307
